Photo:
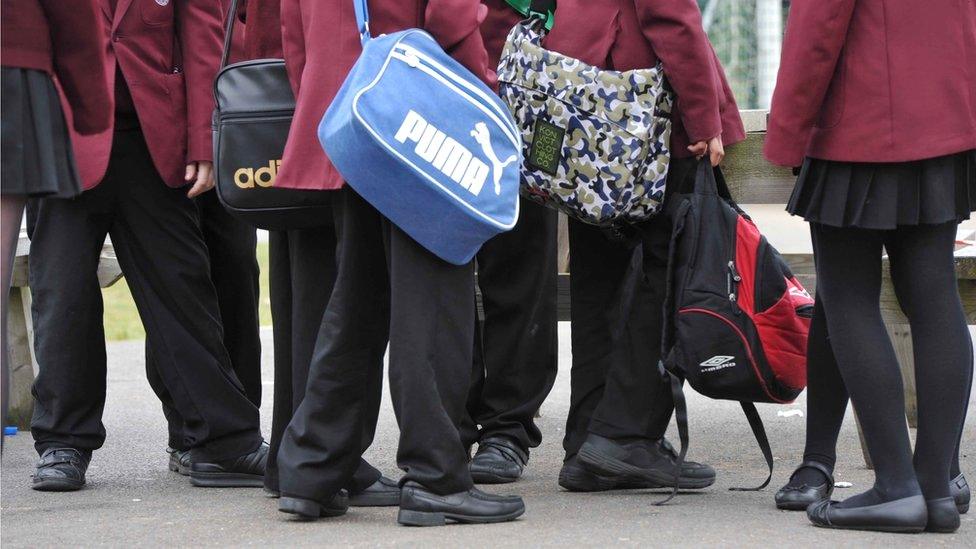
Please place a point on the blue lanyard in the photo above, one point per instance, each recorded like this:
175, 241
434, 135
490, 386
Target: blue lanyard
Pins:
362, 19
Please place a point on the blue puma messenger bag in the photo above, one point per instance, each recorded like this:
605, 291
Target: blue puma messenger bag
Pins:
425, 142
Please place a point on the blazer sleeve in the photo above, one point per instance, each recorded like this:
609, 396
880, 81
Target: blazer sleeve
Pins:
293, 42
201, 41
815, 34
455, 24
79, 40
674, 29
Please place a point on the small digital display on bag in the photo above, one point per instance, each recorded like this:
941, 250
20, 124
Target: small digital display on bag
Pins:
547, 146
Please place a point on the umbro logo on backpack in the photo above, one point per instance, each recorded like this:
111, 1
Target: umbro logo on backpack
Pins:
452, 158
719, 362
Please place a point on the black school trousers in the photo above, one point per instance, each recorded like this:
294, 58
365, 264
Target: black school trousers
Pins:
516, 347
618, 284
157, 239
232, 247
389, 289
303, 270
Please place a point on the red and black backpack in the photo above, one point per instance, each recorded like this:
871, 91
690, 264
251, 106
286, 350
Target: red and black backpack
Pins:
737, 319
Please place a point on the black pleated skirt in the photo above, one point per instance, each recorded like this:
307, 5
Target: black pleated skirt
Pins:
883, 196
36, 147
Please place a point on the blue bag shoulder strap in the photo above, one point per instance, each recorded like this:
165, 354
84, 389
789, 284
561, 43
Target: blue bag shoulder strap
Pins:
362, 19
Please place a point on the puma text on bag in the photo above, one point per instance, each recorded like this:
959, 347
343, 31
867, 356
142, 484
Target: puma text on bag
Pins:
254, 108
596, 142
425, 142
738, 318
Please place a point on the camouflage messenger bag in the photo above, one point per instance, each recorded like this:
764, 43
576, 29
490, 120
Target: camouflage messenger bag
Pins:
595, 142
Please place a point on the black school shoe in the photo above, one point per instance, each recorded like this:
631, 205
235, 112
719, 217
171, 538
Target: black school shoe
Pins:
61, 470
576, 478
798, 497
245, 471
382, 493
906, 516
499, 460
307, 509
943, 515
653, 461
179, 461
421, 507
959, 489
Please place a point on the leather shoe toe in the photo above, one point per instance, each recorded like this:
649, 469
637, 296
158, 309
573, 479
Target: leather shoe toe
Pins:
905, 515
421, 507
245, 471
61, 470
382, 493
799, 497
498, 461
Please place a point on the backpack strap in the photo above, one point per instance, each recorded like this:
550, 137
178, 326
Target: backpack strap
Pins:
678, 212
681, 418
759, 431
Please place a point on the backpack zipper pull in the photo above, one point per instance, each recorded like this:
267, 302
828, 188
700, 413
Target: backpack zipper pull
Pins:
733, 281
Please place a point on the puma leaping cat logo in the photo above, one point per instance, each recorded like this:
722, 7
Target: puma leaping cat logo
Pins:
481, 135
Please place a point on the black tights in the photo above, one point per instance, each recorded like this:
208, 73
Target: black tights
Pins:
849, 285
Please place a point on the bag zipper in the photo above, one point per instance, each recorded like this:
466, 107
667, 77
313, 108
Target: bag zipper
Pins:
733, 279
416, 59
257, 115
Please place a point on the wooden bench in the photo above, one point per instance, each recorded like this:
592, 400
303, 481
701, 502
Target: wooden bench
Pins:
20, 334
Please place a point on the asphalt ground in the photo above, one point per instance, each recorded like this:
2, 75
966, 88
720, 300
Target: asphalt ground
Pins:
132, 499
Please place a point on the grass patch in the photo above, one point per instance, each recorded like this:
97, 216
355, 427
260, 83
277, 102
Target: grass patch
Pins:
122, 319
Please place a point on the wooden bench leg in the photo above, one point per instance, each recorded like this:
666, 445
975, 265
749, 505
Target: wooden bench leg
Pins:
22, 368
864, 447
901, 338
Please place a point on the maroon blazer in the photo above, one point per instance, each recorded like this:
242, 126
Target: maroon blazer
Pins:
630, 34
63, 39
262, 36
170, 76
321, 43
879, 81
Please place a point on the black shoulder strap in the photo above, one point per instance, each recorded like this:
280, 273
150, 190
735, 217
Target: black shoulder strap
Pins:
681, 418
759, 431
678, 217
228, 33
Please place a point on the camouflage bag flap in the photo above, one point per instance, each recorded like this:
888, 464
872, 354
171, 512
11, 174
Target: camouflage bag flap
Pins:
595, 141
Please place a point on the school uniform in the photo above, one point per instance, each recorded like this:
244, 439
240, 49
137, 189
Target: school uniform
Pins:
388, 288
881, 115
516, 346
135, 192
232, 251
232, 248
41, 39
849, 112
302, 273
38, 39
616, 297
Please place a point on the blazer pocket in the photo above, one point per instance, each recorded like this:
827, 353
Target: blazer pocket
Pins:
175, 85
156, 13
832, 109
